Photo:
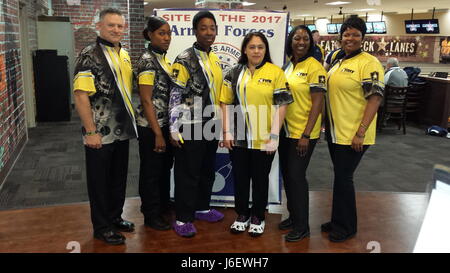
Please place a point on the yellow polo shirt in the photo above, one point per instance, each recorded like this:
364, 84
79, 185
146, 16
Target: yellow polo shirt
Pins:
350, 83
258, 94
307, 77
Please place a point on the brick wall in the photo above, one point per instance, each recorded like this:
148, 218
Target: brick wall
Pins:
12, 100
84, 17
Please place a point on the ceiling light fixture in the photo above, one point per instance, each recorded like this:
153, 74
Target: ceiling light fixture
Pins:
363, 9
245, 3
337, 3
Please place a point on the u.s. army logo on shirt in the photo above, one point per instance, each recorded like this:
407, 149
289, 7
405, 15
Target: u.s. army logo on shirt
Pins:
175, 73
322, 79
374, 76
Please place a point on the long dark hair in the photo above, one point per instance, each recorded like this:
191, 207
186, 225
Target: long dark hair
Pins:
291, 36
243, 59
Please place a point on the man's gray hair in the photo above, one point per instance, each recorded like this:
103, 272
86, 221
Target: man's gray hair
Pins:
109, 11
393, 62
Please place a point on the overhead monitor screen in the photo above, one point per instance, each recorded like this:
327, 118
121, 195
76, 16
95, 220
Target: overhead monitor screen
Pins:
369, 26
312, 27
379, 27
332, 29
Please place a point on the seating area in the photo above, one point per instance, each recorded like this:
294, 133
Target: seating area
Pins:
400, 103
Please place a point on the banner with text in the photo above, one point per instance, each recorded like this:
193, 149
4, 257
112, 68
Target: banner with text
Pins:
404, 48
232, 26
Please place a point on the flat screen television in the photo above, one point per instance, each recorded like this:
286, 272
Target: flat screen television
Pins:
379, 27
338, 28
332, 29
427, 26
312, 27
369, 26
430, 26
412, 27
289, 29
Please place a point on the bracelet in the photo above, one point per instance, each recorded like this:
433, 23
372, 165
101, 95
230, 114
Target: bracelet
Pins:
273, 136
360, 136
306, 136
91, 133
363, 126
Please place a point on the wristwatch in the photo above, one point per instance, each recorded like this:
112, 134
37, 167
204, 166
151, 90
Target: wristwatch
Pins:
306, 136
90, 133
273, 136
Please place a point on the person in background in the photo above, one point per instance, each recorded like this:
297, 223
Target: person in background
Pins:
395, 76
195, 125
301, 130
257, 92
102, 91
153, 72
319, 53
355, 90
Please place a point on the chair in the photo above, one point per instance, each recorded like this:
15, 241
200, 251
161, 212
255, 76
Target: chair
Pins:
415, 97
394, 107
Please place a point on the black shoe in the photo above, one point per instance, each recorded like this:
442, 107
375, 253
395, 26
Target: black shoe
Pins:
295, 236
123, 225
286, 224
158, 223
326, 227
338, 237
110, 237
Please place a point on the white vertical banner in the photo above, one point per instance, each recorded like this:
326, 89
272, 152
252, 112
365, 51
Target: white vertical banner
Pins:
232, 26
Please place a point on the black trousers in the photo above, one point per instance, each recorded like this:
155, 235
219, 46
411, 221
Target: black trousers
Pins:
106, 173
194, 173
345, 161
154, 173
254, 165
293, 168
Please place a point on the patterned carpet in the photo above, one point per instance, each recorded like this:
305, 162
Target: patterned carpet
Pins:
51, 168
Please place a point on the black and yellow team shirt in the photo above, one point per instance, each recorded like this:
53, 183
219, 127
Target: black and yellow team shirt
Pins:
351, 82
255, 97
154, 69
307, 77
106, 75
198, 77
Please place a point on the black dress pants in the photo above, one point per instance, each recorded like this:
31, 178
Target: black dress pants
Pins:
154, 173
254, 165
345, 161
194, 173
106, 173
293, 168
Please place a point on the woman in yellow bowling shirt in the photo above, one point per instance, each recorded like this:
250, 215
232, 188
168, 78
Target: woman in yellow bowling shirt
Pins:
301, 130
254, 98
355, 90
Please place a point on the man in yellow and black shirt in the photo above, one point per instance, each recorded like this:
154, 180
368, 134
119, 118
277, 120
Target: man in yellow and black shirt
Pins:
102, 89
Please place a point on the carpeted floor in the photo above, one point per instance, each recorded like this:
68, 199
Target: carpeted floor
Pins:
51, 171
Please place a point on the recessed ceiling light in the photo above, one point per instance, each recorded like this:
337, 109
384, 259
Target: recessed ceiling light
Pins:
363, 9
245, 3
304, 15
337, 3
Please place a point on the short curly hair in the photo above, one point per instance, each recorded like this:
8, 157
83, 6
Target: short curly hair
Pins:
354, 22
